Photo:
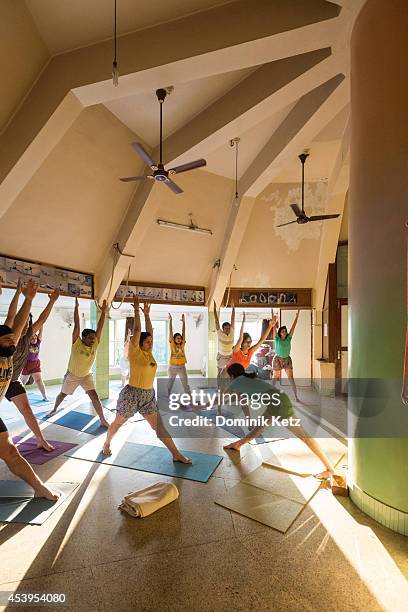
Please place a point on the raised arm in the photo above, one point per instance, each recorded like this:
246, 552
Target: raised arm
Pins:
21, 317
216, 318
77, 328
53, 297
146, 312
292, 329
237, 346
233, 314
101, 321
137, 328
170, 327
11, 315
264, 336
183, 329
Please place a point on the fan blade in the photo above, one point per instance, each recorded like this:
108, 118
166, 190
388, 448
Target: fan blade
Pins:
127, 179
198, 163
322, 217
144, 155
296, 210
171, 185
290, 223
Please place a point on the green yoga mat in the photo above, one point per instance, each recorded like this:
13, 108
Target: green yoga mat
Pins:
17, 504
146, 458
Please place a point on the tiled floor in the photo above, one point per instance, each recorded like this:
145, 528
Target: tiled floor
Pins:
195, 555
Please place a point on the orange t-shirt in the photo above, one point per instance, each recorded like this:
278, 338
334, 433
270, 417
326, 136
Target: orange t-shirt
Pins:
239, 357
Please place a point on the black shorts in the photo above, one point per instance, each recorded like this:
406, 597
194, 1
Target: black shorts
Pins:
3, 428
15, 388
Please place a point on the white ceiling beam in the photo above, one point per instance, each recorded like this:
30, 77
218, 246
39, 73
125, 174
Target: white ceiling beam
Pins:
228, 37
269, 82
299, 127
265, 91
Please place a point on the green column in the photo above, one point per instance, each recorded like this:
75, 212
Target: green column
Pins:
212, 347
378, 261
101, 366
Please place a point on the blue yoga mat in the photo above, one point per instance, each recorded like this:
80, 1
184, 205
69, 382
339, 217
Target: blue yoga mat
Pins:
17, 504
87, 423
154, 459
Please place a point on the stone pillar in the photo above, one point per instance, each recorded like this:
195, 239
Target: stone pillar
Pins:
378, 421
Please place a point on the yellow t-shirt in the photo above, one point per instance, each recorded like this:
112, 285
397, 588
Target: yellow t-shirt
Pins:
6, 372
143, 368
82, 358
177, 354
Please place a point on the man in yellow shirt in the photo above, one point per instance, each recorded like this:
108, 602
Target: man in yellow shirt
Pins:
83, 355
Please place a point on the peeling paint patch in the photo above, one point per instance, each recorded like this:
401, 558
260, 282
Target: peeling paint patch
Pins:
281, 196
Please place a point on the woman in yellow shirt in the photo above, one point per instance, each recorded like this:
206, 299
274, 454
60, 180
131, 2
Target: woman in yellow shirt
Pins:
178, 359
139, 395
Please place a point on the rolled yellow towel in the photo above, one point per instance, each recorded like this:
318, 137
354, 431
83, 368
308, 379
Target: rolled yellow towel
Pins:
148, 500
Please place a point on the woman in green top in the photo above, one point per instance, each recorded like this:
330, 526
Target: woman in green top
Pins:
255, 388
282, 360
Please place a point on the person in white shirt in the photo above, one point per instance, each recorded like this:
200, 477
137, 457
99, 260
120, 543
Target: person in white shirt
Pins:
225, 334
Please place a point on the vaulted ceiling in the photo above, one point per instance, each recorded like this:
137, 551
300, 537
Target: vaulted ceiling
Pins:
274, 73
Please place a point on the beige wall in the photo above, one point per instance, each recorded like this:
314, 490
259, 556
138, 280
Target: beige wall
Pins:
173, 256
69, 212
286, 256
22, 55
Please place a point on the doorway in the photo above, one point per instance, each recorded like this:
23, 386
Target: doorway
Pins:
341, 370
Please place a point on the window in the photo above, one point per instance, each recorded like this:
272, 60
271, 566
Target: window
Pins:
117, 341
161, 342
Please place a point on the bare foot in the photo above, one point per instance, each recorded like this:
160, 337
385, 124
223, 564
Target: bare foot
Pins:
104, 423
44, 491
324, 475
181, 458
233, 446
50, 414
106, 450
45, 399
45, 445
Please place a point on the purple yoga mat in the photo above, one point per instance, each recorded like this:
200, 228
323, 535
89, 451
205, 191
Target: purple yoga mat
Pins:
37, 456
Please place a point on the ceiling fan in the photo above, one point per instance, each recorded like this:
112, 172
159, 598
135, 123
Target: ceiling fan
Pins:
159, 173
301, 216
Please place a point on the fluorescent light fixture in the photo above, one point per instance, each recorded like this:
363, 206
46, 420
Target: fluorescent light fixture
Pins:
181, 226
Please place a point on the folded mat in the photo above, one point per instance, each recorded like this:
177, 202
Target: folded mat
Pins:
38, 456
148, 458
149, 500
17, 504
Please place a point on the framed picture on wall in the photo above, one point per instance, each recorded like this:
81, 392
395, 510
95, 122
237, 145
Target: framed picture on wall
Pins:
69, 282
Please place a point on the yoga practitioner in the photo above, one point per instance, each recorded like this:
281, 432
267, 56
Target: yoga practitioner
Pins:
225, 336
124, 361
243, 350
83, 355
282, 359
249, 385
32, 367
16, 392
178, 359
139, 395
10, 334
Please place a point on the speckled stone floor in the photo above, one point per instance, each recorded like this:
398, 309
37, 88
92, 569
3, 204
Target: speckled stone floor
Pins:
195, 555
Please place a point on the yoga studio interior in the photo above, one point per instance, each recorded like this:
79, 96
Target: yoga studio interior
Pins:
203, 305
